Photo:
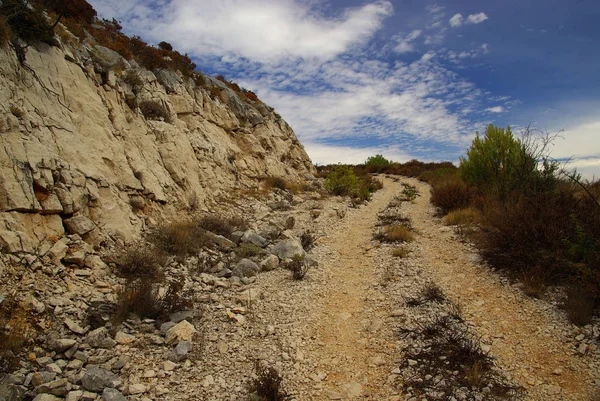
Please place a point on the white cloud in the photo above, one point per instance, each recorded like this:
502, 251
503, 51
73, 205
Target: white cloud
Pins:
331, 154
260, 30
456, 20
495, 109
582, 141
476, 18
405, 45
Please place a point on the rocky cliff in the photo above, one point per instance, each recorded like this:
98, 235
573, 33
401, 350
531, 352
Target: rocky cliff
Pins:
95, 145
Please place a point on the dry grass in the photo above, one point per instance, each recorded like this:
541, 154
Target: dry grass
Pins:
400, 252
222, 225
141, 262
180, 239
297, 266
248, 250
397, 233
449, 194
463, 217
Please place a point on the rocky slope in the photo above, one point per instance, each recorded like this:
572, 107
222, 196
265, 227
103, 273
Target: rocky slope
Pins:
95, 145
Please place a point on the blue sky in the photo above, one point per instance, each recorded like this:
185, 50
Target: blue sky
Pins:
408, 79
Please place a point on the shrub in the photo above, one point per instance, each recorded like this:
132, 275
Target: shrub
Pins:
450, 194
152, 110
307, 239
376, 164
342, 181
298, 266
224, 226
165, 46
4, 32
498, 163
28, 23
397, 233
78, 10
410, 192
146, 298
248, 250
141, 262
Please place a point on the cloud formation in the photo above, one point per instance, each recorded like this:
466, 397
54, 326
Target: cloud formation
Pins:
458, 19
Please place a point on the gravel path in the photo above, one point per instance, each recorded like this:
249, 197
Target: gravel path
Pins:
354, 344
526, 336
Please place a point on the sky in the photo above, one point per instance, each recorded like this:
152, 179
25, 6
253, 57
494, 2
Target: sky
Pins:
407, 79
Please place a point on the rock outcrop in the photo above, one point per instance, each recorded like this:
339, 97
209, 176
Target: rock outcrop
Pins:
95, 145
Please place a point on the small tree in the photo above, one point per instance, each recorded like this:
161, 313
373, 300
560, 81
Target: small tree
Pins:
377, 160
342, 181
165, 46
498, 163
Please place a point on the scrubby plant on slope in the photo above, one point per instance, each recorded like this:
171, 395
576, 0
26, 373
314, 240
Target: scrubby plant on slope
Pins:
536, 223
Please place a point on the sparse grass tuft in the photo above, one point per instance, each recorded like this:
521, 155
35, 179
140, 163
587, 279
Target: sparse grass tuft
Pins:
248, 250
298, 266
308, 240
452, 359
433, 293
463, 217
222, 225
400, 252
410, 192
397, 233
267, 385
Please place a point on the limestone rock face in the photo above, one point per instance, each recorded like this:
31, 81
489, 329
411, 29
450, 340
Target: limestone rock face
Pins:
105, 145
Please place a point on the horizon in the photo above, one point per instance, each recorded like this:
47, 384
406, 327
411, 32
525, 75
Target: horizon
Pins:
408, 81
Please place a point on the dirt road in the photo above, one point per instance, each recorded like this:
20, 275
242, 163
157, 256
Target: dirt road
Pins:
356, 347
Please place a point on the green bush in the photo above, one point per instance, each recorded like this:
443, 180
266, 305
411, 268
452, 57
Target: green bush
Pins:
342, 181
377, 164
498, 164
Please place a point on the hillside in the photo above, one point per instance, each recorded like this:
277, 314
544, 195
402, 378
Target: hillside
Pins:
92, 137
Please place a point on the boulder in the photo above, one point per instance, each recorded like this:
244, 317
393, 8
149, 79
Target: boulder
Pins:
111, 394
245, 268
251, 237
79, 225
183, 331
271, 262
97, 379
100, 338
288, 249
